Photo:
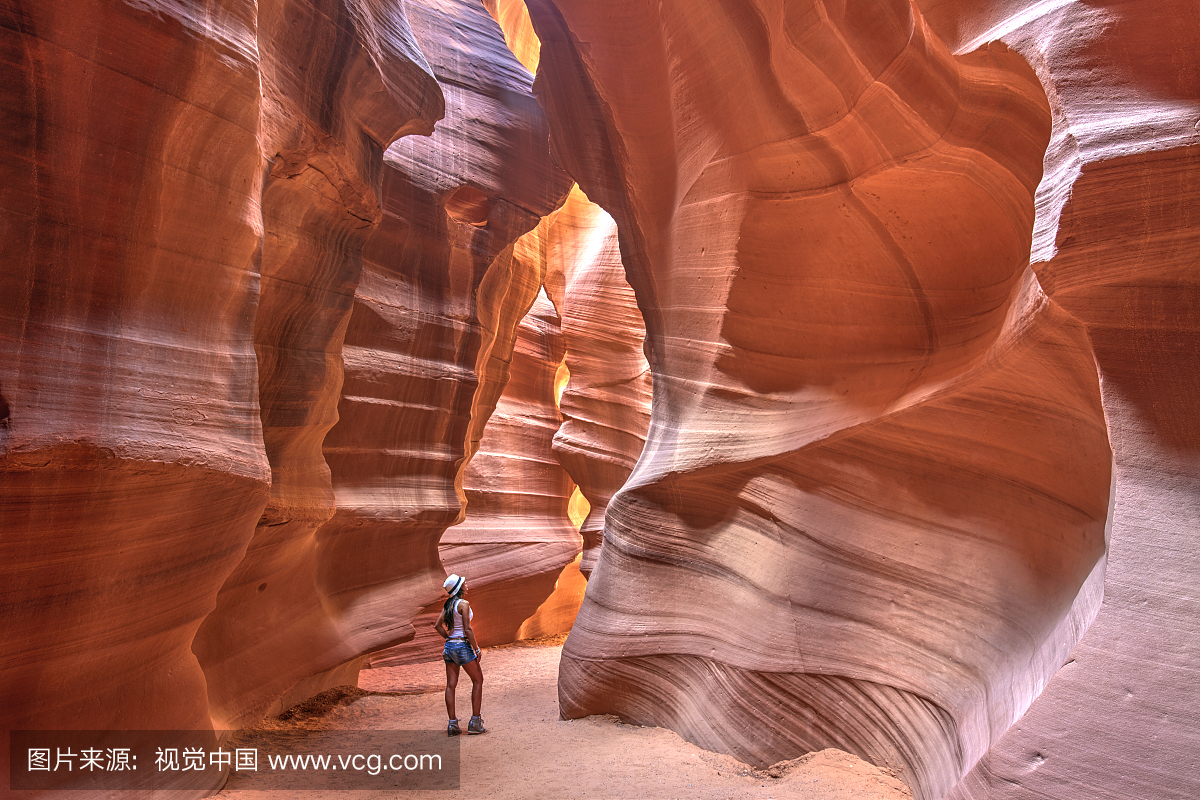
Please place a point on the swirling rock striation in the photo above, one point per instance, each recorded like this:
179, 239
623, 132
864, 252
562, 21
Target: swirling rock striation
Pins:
1115, 245
874, 490
132, 452
1113, 723
513, 493
517, 538
431, 336
250, 347
340, 81
200, 519
606, 401
424, 351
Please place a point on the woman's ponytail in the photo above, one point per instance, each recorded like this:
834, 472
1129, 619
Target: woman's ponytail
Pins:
449, 606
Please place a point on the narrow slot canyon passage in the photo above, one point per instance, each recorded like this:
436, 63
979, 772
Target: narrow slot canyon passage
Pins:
803, 388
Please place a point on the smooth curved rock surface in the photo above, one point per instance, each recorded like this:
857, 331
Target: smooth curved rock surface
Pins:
877, 466
203, 225
1117, 720
606, 401
517, 538
248, 356
513, 17
139, 182
1121, 75
556, 615
1117, 234
424, 350
336, 81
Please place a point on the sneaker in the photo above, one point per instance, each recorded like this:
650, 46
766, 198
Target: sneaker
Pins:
476, 725
452, 729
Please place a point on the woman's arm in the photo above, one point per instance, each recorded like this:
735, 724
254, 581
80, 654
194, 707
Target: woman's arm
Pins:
440, 627
465, 609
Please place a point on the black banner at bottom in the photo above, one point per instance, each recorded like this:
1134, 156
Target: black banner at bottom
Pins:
252, 760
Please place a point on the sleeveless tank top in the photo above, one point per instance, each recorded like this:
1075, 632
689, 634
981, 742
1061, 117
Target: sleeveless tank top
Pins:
457, 632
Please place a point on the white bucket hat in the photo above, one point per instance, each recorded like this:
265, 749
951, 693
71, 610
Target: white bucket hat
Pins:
453, 584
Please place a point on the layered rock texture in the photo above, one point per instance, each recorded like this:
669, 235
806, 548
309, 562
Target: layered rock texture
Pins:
172, 173
576, 405
249, 353
1117, 246
517, 538
606, 400
914, 285
871, 511
425, 355
1114, 721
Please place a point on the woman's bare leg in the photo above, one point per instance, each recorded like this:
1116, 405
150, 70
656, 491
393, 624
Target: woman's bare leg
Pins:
475, 673
451, 685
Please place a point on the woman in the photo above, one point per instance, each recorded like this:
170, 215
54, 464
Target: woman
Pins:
454, 624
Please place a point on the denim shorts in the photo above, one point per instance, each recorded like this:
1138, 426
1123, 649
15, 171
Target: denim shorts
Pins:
457, 651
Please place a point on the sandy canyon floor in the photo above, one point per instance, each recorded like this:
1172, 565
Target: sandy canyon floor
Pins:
529, 753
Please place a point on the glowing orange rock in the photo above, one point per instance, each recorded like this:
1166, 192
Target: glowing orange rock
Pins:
870, 513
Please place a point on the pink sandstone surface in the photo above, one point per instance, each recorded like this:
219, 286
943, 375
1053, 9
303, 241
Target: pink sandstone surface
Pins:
606, 401
919, 289
226, 296
424, 354
147, 149
877, 478
1116, 246
517, 538
517, 535
516, 543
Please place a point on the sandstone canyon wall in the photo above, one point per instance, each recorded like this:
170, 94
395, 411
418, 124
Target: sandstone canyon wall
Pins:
871, 512
919, 290
425, 356
517, 534
147, 159
516, 543
606, 401
516, 539
248, 353
1117, 246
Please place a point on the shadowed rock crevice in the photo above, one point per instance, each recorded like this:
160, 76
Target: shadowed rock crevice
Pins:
132, 470
430, 338
320, 200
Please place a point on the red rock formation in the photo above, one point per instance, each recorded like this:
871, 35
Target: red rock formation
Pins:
425, 355
1113, 723
1125, 85
870, 512
606, 402
513, 17
517, 538
557, 612
192, 190
320, 200
132, 454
